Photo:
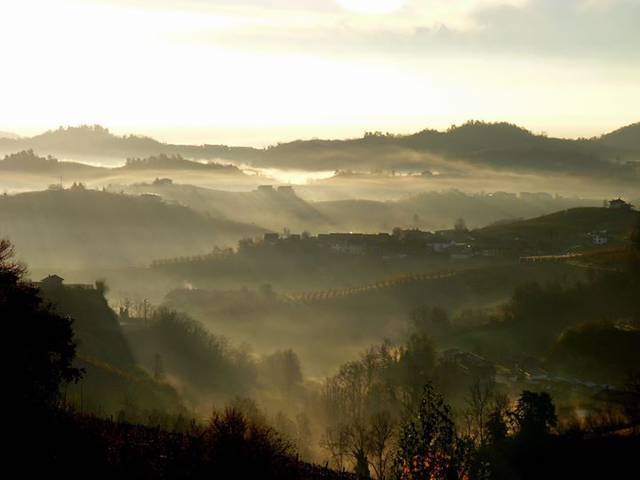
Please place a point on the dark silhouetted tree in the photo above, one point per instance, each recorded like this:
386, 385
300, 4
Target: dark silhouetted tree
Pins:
39, 342
534, 414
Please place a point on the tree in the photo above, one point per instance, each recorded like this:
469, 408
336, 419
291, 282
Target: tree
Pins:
359, 402
534, 414
381, 433
430, 320
477, 413
282, 368
429, 446
39, 341
417, 364
460, 226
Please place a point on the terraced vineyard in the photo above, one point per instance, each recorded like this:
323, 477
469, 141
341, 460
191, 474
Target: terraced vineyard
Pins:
311, 297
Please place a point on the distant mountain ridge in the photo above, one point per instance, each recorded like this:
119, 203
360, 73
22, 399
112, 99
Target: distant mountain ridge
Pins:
95, 140
500, 146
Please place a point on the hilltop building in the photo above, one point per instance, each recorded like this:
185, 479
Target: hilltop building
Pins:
54, 282
51, 282
619, 204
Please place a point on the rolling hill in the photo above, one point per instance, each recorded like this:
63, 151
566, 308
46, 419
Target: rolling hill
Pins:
78, 227
95, 141
26, 161
626, 137
271, 208
564, 230
499, 146
440, 209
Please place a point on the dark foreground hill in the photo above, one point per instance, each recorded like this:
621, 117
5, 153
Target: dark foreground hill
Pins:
111, 375
78, 227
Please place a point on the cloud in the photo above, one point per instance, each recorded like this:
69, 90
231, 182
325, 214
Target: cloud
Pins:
597, 29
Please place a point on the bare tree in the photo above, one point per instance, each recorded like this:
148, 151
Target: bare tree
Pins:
478, 403
381, 435
358, 402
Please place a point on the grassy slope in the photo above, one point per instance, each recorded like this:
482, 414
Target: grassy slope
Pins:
565, 229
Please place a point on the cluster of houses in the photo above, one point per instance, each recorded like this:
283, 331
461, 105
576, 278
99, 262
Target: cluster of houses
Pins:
399, 242
457, 243
601, 237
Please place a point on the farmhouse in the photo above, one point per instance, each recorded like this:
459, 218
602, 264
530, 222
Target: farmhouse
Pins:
619, 204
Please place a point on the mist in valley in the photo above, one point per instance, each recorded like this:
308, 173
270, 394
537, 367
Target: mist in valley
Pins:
438, 297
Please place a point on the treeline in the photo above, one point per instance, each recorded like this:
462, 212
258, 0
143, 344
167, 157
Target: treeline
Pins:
379, 421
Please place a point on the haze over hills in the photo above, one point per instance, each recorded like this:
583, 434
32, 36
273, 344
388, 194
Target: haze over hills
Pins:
297, 255
27, 161
78, 227
499, 146
26, 170
271, 207
283, 207
9, 135
87, 142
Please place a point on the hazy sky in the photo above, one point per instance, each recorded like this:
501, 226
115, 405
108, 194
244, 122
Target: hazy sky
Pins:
257, 71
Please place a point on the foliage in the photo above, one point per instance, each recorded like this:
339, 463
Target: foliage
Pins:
204, 361
602, 352
429, 445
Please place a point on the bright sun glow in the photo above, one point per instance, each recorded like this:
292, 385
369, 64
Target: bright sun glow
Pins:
372, 6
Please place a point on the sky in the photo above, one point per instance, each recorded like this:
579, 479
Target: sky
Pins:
255, 72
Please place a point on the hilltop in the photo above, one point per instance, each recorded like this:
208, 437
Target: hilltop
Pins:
78, 227
27, 161
626, 137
